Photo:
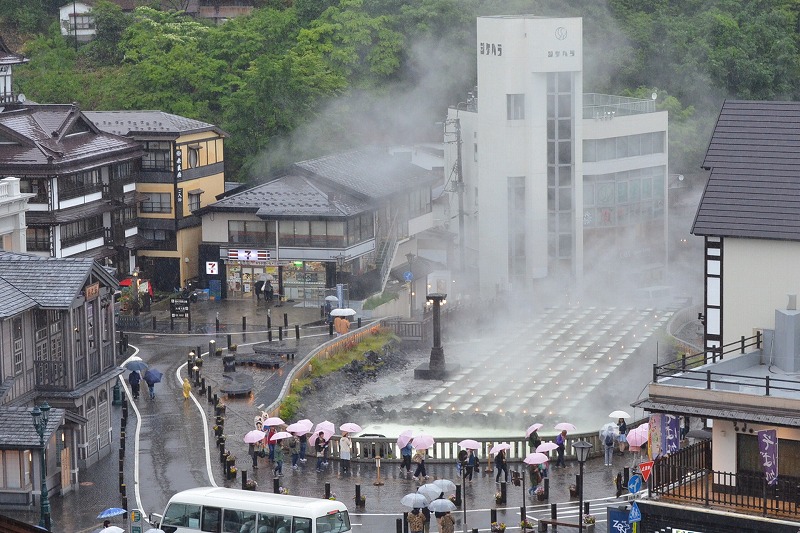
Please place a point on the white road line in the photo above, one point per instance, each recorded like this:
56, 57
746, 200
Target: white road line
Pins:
205, 425
135, 437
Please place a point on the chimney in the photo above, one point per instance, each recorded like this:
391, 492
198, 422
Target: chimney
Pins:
792, 305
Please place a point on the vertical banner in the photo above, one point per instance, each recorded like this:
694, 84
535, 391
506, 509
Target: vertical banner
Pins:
654, 444
664, 436
672, 434
768, 450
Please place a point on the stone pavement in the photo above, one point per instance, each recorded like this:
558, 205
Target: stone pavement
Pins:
171, 454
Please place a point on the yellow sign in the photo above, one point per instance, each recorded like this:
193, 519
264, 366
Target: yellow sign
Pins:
92, 291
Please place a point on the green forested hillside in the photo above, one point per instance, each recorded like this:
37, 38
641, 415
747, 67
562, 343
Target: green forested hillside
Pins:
303, 77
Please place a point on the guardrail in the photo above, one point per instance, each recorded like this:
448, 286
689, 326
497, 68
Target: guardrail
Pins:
687, 362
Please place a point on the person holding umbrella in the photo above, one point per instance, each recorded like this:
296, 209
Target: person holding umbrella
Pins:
472, 465
405, 453
151, 377
134, 379
501, 466
416, 521
446, 522
561, 442
345, 447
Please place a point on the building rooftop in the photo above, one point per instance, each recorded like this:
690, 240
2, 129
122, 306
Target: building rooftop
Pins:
133, 123
606, 106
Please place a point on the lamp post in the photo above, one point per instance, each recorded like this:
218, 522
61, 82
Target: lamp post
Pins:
40, 414
582, 449
135, 287
410, 258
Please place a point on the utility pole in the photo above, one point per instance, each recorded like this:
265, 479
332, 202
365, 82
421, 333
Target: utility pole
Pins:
460, 190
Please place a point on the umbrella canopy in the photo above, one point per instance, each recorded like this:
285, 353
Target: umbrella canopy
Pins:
153, 376
112, 529
312, 440
111, 511
343, 311
618, 414
326, 427
350, 427
273, 421
469, 444
430, 491
154, 530
301, 427
445, 484
280, 435
638, 435
415, 500
546, 447
134, 365
422, 441
500, 447
609, 429
565, 425
404, 438
535, 458
251, 437
532, 428
331, 298
442, 505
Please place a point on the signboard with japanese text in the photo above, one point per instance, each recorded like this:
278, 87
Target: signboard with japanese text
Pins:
768, 450
179, 307
645, 468
664, 435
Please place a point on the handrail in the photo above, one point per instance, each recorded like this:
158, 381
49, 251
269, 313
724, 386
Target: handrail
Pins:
703, 358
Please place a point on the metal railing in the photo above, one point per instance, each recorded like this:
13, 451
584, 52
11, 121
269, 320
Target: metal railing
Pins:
688, 361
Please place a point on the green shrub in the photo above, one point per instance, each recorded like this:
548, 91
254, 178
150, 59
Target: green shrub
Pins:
374, 301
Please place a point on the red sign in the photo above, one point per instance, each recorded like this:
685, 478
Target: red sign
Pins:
645, 469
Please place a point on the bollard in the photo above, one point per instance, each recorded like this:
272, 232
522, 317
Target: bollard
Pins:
276, 485
121, 481
554, 511
546, 488
286, 320
154, 323
585, 507
458, 496
208, 391
399, 525
618, 483
492, 515
280, 333
327, 490
358, 493
121, 454
229, 341
523, 514
269, 322
202, 385
222, 454
297, 331
330, 329
359, 321
244, 479
216, 400
244, 323
269, 336
212, 348
217, 324
125, 503
124, 489
503, 492
626, 476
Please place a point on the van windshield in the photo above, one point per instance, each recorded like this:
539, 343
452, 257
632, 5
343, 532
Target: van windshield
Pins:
334, 523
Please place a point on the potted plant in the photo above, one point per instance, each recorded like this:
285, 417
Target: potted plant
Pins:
498, 527
199, 362
232, 348
232, 471
498, 498
250, 484
540, 493
332, 496
573, 491
589, 522
218, 352
525, 525
452, 498
283, 490
360, 502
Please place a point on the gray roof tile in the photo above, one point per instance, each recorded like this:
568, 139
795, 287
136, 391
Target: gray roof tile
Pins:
16, 427
136, 123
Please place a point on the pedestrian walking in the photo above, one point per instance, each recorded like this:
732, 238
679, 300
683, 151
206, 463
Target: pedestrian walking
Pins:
405, 454
134, 379
534, 441
259, 285
608, 445
501, 466
446, 523
269, 292
419, 460
277, 455
416, 521
472, 465
303, 441
187, 388
294, 451
320, 446
270, 444
535, 476
427, 514
561, 442
151, 385
345, 447
623, 435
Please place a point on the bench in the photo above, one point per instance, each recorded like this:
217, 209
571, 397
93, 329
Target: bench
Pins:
550, 522
237, 384
269, 355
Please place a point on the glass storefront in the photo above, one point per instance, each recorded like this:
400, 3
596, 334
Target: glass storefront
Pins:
242, 276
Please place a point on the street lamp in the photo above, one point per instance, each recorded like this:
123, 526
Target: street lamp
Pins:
40, 416
135, 286
410, 258
582, 449
340, 261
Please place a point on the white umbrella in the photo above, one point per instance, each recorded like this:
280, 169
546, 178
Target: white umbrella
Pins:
301, 427
469, 444
154, 530
350, 427
343, 311
546, 447
535, 458
565, 425
280, 435
532, 428
609, 429
112, 529
331, 298
422, 441
500, 447
618, 414
273, 421
254, 436
445, 484
442, 505
415, 500
430, 491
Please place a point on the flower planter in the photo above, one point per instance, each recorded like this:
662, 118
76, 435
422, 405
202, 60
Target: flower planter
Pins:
540, 496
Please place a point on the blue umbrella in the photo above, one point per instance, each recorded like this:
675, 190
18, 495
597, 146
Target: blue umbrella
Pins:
136, 366
153, 376
111, 511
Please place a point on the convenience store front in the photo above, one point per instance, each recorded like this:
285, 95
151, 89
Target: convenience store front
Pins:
295, 280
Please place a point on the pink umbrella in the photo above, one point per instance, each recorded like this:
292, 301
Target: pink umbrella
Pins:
535, 458
273, 421
469, 444
566, 425
404, 438
638, 435
546, 447
350, 427
531, 429
422, 441
500, 447
254, 436
327, 427
301, 427
280, 435
313, 438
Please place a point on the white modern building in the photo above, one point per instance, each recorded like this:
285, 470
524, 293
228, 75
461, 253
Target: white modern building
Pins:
76, 21
555, 181
13, 205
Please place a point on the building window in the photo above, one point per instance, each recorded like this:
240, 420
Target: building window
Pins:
251, 232
79, 184
157, 156
515, 106
194, 156
37, 239
17, 340
516, 213
194, 201
122, 171
157, 202
82, 230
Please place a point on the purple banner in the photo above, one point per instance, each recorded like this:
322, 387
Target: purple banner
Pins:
664, 435
672, 434
768, 449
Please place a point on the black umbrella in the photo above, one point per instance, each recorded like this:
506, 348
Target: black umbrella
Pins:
153, 376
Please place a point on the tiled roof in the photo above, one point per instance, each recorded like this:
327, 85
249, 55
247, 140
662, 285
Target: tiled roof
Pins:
48, 281
371, 172
16, 427
754, 187
12, 300
42, 140
293, 196
133, 123
7, 57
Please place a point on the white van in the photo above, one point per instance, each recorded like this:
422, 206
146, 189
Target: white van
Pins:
222, 510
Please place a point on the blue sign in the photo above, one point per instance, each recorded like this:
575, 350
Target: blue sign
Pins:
635, 484
618, 520
635, 515
408, 276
